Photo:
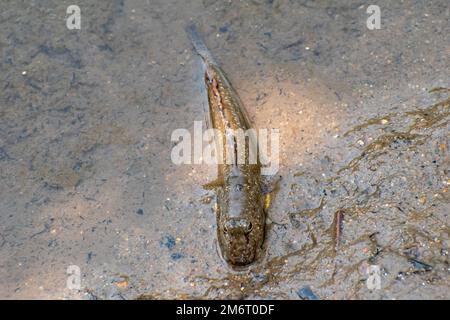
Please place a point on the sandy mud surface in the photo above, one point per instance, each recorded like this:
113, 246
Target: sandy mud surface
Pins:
86, 177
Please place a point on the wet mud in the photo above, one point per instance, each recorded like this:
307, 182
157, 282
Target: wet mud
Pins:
86, 177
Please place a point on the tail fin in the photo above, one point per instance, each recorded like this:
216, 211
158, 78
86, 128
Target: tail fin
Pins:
204, 53
198, 44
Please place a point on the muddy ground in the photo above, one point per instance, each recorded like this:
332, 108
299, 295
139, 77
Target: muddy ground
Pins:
87, 179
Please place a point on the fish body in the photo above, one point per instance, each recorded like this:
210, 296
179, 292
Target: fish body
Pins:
240, 201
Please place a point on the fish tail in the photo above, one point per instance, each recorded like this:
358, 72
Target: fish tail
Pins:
208, 60
199, 45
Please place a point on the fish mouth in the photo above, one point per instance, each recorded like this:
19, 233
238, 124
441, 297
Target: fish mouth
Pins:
241, 262
241, 257
236, 257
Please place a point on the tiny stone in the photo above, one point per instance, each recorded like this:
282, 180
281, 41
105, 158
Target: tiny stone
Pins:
176, 256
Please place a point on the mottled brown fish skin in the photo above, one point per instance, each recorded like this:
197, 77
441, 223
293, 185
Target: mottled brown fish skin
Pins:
240, 203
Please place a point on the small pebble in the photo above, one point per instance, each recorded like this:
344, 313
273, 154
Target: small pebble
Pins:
306, 293
168, 241
176, 256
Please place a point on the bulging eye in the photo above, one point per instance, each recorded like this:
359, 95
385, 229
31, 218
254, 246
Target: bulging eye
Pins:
225, 230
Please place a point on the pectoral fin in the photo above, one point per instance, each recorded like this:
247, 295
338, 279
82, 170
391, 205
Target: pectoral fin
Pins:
218, 183
269, 188
270, 185
267, 201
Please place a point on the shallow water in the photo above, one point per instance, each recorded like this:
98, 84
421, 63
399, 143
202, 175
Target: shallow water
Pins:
86, 177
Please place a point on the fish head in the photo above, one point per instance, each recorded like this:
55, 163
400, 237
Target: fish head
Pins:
240, 220
239, 239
